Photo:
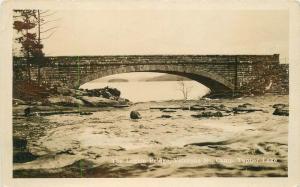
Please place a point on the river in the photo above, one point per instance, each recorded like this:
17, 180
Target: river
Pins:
110, 144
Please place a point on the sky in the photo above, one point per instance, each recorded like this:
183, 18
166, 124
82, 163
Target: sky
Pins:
139, 32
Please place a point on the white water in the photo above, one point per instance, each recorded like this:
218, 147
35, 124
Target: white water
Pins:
153, 91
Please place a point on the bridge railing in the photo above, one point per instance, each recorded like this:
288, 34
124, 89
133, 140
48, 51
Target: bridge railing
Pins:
155, 59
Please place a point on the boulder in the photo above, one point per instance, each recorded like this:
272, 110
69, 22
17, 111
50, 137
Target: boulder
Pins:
23, 156
98, 101
19, 143
27, 111
259, 150
65, 101
280, 106
165, 116
20, 152
135, 115
113, 91
281, 111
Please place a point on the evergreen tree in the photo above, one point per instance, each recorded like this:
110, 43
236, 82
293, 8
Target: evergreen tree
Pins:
25, 22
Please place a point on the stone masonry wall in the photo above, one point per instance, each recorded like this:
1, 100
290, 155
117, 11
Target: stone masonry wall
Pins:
250, 73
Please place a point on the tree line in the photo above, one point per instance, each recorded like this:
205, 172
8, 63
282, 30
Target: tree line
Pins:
31, 29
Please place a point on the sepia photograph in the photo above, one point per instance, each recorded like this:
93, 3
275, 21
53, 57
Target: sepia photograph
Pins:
150, 92
85, 106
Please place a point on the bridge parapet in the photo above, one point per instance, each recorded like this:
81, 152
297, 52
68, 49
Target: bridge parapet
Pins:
158, 59
165, 59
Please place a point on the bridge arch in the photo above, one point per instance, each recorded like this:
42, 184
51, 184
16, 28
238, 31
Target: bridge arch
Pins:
213, 81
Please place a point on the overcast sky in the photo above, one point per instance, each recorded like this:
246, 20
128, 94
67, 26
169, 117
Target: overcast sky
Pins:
113, 32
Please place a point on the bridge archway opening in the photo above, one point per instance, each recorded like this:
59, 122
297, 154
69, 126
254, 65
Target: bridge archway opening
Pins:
214, 82
157, 85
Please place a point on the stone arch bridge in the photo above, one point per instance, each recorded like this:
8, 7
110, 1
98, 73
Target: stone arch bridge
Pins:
220, 73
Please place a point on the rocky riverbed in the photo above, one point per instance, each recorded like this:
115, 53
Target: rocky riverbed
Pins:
205, 138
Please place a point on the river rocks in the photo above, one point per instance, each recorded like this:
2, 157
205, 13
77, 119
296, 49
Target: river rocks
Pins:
259, 151
35, 110
107, 92
123, 101
94, 92
168, 107
23, 156
245, 108
222, 95
120, 106
27, 111
135, 115
80, 92
281, 109
19, 143
112, 91
18, 102
103, 97
20, 153
85, 113
280, 106
65, 101
221, 107
98, 101
208, 114
197, 107
281, 112
63, 91
66, 151
168, 110
165, 116
73, 92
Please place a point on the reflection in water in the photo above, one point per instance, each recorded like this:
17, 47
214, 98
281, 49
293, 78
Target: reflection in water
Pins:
153, 91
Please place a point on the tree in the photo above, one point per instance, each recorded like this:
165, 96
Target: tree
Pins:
42, 21
184, 88
30, 24
31, 49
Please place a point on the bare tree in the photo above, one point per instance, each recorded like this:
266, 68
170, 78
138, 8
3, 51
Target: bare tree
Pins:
184, 89
44, 26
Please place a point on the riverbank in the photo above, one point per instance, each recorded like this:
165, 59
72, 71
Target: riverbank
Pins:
168, 142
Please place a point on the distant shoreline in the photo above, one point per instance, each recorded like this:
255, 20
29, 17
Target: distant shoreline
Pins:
118, 80
161, 78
